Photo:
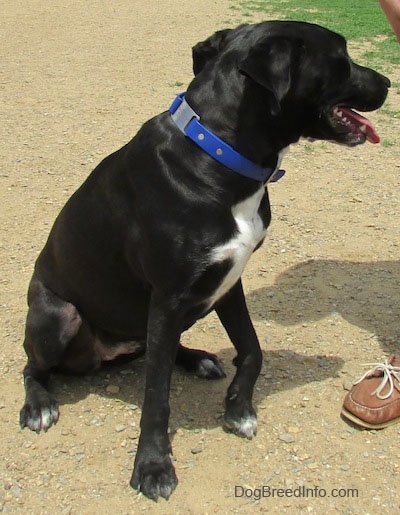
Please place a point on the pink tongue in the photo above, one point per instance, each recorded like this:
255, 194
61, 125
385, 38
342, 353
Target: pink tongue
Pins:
358, 120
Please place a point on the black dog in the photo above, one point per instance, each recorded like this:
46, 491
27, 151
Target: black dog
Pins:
160, 232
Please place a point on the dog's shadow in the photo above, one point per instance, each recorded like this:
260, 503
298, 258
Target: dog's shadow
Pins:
195, 403
365, 294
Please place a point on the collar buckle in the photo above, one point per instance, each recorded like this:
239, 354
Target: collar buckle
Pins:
182, 113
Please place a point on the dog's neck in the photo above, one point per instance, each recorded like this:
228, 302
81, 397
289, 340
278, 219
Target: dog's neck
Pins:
188, 122
245, 125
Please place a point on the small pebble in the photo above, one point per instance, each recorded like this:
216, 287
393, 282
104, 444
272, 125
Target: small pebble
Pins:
287, 438
112, 388
119, 428
126, 372
347, 385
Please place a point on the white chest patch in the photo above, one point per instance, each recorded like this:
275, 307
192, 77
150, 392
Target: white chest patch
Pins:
250, 231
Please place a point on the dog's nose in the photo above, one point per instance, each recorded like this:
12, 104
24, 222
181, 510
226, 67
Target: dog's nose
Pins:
386, 81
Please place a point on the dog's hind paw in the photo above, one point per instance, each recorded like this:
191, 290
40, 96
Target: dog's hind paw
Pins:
203, 364
210, 368
38, 417
246, 427
154, 480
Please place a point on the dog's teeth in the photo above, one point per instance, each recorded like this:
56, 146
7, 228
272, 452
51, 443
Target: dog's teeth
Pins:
340, 113
363, 128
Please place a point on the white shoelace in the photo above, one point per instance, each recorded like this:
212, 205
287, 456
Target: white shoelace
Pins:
389, 372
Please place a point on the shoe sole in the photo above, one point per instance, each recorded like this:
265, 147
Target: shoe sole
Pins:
367, 425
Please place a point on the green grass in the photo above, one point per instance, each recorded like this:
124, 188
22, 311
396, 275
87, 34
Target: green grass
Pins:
388, 143
360, 20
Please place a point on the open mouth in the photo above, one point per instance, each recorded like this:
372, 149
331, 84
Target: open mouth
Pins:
351, 127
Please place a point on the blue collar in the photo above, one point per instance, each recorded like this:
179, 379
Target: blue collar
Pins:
189, 123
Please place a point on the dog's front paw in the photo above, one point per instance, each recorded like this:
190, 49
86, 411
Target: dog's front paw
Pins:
154, 479
241, 422
39, 414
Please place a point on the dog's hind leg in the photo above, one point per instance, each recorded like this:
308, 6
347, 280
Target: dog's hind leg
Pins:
51, 324
240, 416
201, 363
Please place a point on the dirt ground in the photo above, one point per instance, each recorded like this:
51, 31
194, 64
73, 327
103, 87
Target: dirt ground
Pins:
77, 79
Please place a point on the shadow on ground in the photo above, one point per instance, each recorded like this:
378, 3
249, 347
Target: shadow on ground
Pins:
196, 403
365, 294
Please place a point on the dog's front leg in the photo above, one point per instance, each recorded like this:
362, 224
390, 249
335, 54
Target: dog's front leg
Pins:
240, 416
153, 472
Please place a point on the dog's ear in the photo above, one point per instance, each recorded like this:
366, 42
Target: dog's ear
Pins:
208, 49
270, 64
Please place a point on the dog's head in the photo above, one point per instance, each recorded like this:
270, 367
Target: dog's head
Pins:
297, 76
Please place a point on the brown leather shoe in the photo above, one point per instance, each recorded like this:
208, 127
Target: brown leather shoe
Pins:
374, 400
